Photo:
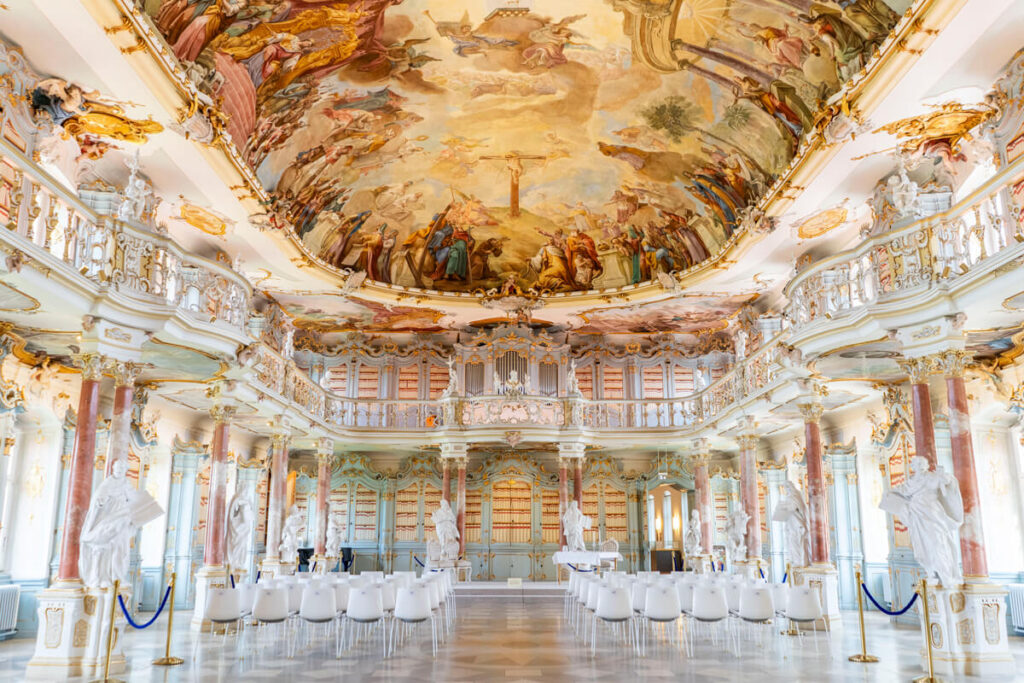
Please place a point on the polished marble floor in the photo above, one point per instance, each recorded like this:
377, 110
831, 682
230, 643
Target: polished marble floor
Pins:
519, 638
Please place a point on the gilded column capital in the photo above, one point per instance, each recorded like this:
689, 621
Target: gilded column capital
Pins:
748, 442
951, 363
324, 449
917, 369
222, 413
280, 439
572, 450
92, 365
453, 450
811, 411
460, 462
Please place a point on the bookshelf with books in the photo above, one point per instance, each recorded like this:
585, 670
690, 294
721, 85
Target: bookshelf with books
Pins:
431, 501
474, 515
615, 522
550, 520
511, 517
366, 514
592, 508
338, 500
407, 512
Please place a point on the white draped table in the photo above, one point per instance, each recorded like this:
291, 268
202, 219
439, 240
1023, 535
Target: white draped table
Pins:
585, 557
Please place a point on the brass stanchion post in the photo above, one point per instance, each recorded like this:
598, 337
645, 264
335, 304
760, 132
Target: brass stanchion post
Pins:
792, 630
930, 678
110, 638
863, 657
167, 659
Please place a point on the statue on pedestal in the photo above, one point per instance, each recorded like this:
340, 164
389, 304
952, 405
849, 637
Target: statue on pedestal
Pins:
575, 523
453, 379
792, 511
929, 503
691, 541
293, 526
116, 511
335, 535
447, 529
240, 525
736, 532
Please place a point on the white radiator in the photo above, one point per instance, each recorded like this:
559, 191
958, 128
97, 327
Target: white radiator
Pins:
1016, 599
9, 597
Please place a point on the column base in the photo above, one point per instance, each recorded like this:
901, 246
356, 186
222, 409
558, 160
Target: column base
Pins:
824, 578
72, 637
207, 578
700, 564
269, 568
749, 568
968, 625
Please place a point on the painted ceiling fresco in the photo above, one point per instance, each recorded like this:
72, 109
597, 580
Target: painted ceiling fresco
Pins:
689, 314
450, 145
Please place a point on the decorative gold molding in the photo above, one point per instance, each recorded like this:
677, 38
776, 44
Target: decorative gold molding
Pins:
917, 369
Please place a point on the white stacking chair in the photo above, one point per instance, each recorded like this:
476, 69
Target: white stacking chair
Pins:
222, 608
375, 577
780, 597
295, 589
412, 608
365, 610
710, 608
661, 606
756, 609
318, 608
684, 589
803, 607
615, 609
271, 607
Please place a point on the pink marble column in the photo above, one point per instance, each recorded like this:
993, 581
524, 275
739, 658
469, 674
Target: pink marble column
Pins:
924, 426
702, 482
80, 480
324, 456
216, 510
577, 482
125, 374
460, 517
446, 480
563, 496
748, 493
972, 537
278, 493
817, 507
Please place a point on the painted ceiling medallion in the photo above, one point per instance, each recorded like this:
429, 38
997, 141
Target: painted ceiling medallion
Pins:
206, 220
819, 224
449, 146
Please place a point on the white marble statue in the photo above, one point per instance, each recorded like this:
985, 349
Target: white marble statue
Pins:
740, 343
699, 382
792, 512
929, 503
241, 518
136, 194
691, 540
293, 526
571, 380
575, 523
447, 529
453, 379
335, 535
736, 533
116, 511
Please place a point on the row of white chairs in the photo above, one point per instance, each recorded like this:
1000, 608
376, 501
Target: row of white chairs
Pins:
683, 603
350, 608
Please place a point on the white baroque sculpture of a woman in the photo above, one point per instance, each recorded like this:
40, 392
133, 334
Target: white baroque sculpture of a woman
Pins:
929, 503
575, 523
116, 510
335, 535
736, 532
240, 526
691, 541
290, 536
447, 529
792, 512
453, 379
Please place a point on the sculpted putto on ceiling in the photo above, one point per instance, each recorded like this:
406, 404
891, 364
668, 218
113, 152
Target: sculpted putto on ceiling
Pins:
569, 146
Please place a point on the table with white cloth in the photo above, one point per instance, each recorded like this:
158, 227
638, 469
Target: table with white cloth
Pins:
579, 558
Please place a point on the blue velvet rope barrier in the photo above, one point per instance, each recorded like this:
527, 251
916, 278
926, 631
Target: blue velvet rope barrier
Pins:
784, 577
232, 580
577, 569
313, 568
418, 561
895, 613
345, 565
259, 572
762, 572
128, 617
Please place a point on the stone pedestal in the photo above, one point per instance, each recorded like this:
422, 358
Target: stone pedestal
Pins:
271, 568
968, 625
207, 578
825, 579
701, 564
750, 568
322, 563
97, 601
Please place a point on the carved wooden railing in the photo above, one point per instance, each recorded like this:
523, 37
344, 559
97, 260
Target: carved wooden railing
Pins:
747, 380
43, 220
936, 249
